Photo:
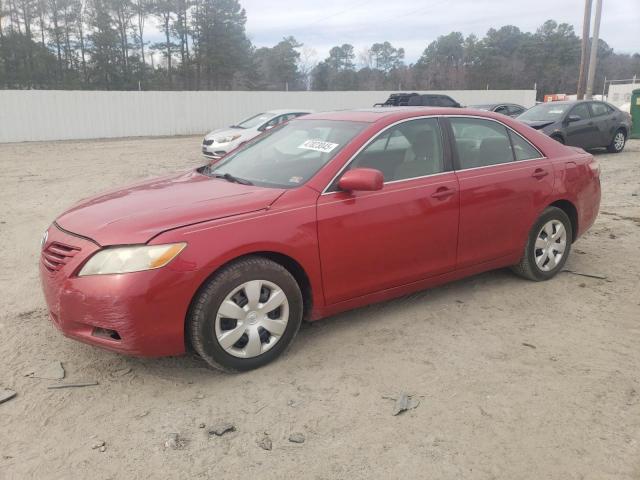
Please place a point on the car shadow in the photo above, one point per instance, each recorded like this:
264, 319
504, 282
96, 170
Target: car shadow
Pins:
190, 368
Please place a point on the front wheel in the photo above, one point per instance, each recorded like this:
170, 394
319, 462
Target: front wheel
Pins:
548, 246
618, 142
246, 315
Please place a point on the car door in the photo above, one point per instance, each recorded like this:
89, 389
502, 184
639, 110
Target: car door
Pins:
605, 121
405, 232
581, 132
504, 185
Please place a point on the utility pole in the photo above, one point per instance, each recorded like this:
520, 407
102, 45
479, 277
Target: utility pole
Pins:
594, 51
586, 25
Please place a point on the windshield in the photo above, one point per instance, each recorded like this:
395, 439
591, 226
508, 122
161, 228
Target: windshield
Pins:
545, 112
254, 121
288, 156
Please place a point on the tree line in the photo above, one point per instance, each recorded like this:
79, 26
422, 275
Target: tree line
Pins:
203, 45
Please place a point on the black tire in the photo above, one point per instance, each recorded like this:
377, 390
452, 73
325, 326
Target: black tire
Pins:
558, 138
527, 266
615, 146
204, 308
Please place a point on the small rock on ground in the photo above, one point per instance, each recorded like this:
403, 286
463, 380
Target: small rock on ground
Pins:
404, 402
121, 373
265, 443
221, 428
174, 442
296, 438
99, 444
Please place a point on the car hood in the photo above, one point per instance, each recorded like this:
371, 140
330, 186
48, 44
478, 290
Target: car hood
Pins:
137, 213
538, 124
225, 132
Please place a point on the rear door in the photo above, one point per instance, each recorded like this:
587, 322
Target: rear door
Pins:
583, 132
605, 121
504, 185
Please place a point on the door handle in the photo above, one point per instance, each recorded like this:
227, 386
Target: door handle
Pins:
442, 193
539, 173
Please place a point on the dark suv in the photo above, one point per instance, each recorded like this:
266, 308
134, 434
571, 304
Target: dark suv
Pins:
418, 100
583, 123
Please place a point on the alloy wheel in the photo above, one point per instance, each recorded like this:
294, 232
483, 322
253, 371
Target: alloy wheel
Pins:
618, 141
252, 318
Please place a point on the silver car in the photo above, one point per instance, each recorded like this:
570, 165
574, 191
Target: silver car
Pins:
219, 142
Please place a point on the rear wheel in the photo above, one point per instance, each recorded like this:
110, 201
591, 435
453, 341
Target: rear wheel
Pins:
246, 315
547, 247
558, 138
618, 142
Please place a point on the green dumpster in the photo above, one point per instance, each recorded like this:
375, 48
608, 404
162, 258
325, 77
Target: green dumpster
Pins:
635, 113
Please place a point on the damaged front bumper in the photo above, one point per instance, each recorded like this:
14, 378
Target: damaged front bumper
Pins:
139, 313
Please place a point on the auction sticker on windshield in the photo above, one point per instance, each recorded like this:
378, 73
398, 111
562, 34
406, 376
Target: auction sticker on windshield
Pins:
318, 146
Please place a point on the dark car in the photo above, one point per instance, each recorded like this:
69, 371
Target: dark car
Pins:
508, 109
418, 100
583, 123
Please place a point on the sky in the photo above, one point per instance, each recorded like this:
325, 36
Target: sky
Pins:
414, 24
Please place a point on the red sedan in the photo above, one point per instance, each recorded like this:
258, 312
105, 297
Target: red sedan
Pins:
327, 213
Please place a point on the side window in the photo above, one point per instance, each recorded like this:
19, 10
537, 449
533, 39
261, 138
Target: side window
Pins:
480, 143
515, 110
581, 110
522, 149
271, 123
598, 109
408, 150
446, 102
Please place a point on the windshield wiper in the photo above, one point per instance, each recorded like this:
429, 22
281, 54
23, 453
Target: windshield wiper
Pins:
236, 126
230, 178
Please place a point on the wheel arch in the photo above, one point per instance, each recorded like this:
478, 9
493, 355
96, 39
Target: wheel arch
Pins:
624, 130
572, 212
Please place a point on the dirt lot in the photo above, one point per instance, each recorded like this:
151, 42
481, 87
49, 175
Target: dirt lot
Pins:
564, 406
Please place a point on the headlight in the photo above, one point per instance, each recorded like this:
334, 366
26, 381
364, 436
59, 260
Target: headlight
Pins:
227, 139
131, 259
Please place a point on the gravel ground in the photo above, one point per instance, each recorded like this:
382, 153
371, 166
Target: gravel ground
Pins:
515, 380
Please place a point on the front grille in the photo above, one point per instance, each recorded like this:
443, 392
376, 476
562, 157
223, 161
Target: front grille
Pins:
56, 255
207, 142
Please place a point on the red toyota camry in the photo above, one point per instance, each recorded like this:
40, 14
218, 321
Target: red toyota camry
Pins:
326, 213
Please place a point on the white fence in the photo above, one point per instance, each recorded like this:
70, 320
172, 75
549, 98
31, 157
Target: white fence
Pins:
37, 115
620, 93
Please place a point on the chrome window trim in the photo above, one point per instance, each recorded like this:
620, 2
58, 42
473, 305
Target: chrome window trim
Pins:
541, 157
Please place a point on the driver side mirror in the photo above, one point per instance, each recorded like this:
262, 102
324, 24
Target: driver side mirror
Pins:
573, 118
361, 179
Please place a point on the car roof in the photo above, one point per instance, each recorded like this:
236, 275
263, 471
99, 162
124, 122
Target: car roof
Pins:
281, 111
568, 102
375, 114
